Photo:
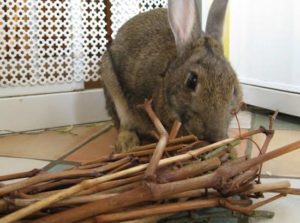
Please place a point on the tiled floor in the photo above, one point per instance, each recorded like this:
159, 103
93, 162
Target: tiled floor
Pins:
58, 149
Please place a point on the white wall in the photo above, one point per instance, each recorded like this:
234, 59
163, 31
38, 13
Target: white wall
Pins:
265, 52
265, 49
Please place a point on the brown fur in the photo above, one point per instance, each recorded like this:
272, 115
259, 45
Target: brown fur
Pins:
142, 62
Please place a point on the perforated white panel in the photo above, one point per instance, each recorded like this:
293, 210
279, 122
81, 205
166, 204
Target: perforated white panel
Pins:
123, 10
46, 42
17, 43
94, 39
50, 41
147, 5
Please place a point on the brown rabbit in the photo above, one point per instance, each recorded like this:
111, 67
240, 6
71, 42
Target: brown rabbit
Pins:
164, 55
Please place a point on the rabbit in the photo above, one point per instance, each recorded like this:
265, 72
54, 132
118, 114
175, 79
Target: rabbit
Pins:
163, 54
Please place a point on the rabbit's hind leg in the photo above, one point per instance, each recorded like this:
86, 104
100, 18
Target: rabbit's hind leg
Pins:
127, 137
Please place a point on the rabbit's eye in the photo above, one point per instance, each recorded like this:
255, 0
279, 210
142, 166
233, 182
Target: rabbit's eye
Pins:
191, 80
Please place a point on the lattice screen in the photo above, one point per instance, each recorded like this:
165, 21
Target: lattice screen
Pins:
46, 42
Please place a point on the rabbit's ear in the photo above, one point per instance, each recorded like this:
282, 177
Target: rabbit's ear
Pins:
185, 21
215, 20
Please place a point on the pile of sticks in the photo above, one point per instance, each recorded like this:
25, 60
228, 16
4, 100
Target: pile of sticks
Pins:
175, 174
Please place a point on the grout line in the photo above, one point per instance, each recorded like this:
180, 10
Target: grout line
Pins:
52, 129
18, 157
77, 147
86, 141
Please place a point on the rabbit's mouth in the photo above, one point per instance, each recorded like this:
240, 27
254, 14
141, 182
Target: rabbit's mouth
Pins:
215, 138
205, 132
215, 132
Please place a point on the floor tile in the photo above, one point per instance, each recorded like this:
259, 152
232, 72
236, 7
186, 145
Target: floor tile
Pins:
9, 165
286, 165
48, 145
286, 209
100, 146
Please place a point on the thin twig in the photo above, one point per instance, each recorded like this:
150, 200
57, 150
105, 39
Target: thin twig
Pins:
74, 173
174, 131
26, 174
90, 183
261, 203
178, 140
269, 187
157, 210
161, 145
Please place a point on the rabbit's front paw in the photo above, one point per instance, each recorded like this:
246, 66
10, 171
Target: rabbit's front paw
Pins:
126, 140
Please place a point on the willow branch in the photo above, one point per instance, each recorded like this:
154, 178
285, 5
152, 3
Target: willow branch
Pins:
90, 183
51, 185
179, 140
157, 210
75, 173
268, 187
111, 184
135, 151
158, 152
294, 191
174, 131
26, 174
70, 201
250, 208
194, 169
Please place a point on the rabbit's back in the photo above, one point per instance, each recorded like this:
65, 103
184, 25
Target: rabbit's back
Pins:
141, 53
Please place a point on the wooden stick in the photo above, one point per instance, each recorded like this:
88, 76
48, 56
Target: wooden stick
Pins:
294, 191
268, 187
267, 156
191, 194
26, 174
75, 173
90, 183
178, 140
157, 210
145, 193
161, 145
150, 151
174, 131
106, 158
92, 209
272, 118
4, 206
227, 172
248, 210
139, 151
37, 188
122, 167
194, 169
111, 184
91, 166
70, 201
